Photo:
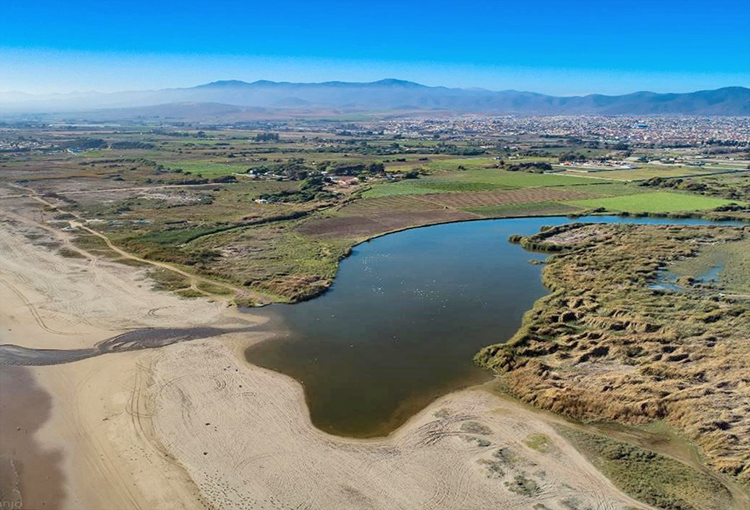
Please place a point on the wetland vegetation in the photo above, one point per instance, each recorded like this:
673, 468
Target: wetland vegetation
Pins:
648, 476
275, 214
604, 345
264, 213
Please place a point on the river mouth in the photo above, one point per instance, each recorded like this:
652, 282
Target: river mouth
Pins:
135, 340
404, 318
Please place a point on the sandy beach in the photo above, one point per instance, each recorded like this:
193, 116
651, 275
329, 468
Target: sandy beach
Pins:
192, 425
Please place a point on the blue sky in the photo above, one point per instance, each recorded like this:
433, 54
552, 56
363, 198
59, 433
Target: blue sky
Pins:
558, 47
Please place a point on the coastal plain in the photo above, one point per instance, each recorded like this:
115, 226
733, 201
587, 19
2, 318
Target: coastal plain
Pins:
133, 259
190, 423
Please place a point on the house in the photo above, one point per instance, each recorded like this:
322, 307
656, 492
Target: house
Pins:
344, 180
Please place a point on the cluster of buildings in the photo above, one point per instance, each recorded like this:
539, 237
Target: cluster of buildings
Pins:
8, 144
659, 130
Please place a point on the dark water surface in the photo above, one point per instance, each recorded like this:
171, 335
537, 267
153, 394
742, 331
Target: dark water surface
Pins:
138, 339
404, 318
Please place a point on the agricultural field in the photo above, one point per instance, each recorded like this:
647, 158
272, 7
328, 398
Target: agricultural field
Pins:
424, 186
480, 179
184, 196
506, 197
512, 179
661, 202
460, 164
204, 168
524, 209
645, 172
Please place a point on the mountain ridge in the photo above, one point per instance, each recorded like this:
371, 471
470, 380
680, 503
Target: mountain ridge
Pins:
392, 94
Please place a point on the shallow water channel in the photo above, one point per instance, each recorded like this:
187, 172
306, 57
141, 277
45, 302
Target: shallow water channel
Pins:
404, 318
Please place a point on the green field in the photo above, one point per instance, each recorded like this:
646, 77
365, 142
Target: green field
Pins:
507, 179
454, 163
206, 168
660, 202
615, 189
647, 172
427, 186
471, 181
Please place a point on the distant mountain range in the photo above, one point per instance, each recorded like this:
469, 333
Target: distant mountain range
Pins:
234, 98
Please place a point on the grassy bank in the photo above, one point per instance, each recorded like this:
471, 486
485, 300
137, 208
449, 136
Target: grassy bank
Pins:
648, 476
603, 345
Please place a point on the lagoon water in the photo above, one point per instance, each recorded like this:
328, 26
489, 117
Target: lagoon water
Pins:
404, 318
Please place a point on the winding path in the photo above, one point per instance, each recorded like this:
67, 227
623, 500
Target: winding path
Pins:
193, 278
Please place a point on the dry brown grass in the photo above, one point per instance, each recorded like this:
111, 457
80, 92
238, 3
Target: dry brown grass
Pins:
605, 346
373, 216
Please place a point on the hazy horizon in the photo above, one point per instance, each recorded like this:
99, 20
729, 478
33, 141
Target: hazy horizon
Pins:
582, 48
386, 78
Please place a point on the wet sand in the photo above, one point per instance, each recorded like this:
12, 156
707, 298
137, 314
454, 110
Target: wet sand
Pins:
147, 338
78, 446
31, 476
